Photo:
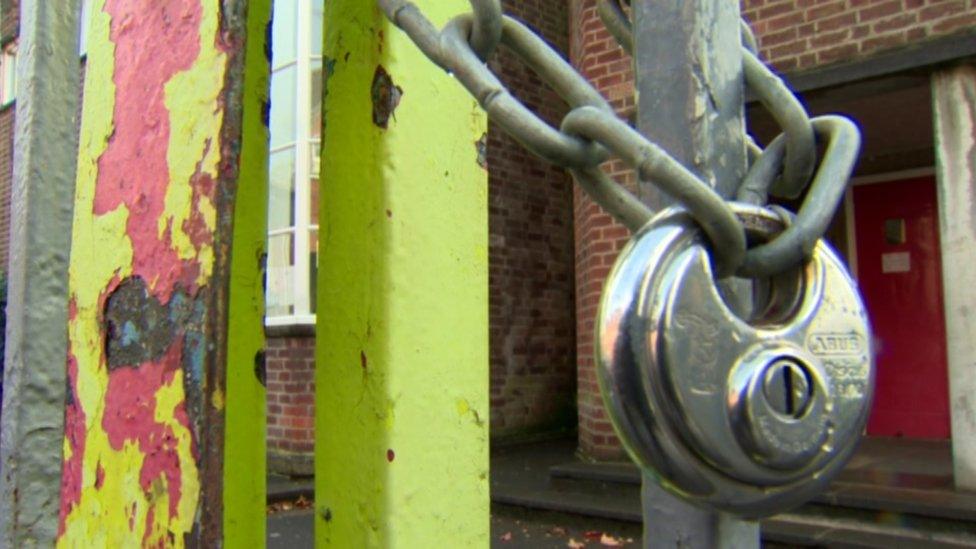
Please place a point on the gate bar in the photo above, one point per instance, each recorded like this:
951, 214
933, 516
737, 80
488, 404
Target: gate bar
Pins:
401, 449
688, 66
41, 205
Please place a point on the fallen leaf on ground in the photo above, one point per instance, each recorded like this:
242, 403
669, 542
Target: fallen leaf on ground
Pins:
507, 536
607, 540
573, 544
593, 534
557, 531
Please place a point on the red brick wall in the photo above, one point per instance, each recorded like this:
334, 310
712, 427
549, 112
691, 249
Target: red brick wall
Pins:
533, 360
598, 237
795, 35
6, 179
290, 370
801, 34
9, 25
9, 20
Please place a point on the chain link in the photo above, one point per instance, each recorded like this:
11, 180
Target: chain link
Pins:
616, 21
801, 150
487, 30
789, 248
653, 164
592, 131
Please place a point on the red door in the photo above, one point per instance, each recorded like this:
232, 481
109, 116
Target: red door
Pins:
899, 271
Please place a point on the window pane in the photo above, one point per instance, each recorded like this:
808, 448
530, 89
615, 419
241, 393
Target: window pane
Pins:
283, 33
313, 268
9, 91
280, 293
316, 99
316, 22
313, 202
283, 106
281, 199
84, 25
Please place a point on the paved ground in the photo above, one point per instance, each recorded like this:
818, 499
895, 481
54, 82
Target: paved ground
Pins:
290, 530
885, 478
511, 528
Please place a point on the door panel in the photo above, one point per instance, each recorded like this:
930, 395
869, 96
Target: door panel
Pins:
900, 275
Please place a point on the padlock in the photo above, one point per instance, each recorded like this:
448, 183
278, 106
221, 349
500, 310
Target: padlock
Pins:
747, 412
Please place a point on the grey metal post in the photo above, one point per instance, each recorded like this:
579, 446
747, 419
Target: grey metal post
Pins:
45, 157
688, 65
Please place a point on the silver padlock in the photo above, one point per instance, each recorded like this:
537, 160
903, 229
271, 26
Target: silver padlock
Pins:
746, 415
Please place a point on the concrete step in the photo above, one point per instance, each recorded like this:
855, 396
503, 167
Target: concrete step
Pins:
846, 516
916, 494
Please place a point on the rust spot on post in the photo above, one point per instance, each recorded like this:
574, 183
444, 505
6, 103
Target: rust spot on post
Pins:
386, 97
481, 146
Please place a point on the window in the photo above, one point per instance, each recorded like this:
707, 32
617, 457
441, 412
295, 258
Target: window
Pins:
296, 94
84, 23
8, 74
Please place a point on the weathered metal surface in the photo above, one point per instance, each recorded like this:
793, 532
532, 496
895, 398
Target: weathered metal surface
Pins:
688, 65
402, 379
954, 102
689, 75
149, 275
37, 310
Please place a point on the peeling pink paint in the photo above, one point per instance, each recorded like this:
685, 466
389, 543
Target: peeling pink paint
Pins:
150, 518
72, 309
134, 171
99, 476
75, 432
75, 424
196, 227
130, 416
166, 211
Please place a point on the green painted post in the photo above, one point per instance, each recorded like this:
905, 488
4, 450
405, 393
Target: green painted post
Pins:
402, 378
244, 455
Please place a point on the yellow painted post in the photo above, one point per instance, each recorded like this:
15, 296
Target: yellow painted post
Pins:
402, 357
164, 315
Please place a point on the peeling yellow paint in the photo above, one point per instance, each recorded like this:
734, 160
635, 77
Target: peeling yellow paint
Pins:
112, 508
194, 141
217, 400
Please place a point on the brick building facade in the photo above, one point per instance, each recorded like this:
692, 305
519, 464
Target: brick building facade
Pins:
9, 22
532, 334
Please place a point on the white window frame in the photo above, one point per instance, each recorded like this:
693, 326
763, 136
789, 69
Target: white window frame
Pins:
302, 143
8, 74
84, 25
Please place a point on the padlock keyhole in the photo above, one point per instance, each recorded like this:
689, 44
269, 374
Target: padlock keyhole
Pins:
787, 388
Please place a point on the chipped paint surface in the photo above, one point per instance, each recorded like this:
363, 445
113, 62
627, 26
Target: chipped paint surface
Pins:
142, 260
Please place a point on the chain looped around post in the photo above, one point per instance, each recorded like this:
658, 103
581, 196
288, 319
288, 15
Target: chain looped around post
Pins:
826, 192
617, 22
801, 153
592, 131
486, 32
654, 164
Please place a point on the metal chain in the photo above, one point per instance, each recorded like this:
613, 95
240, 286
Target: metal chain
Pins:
591, 132
487, 30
